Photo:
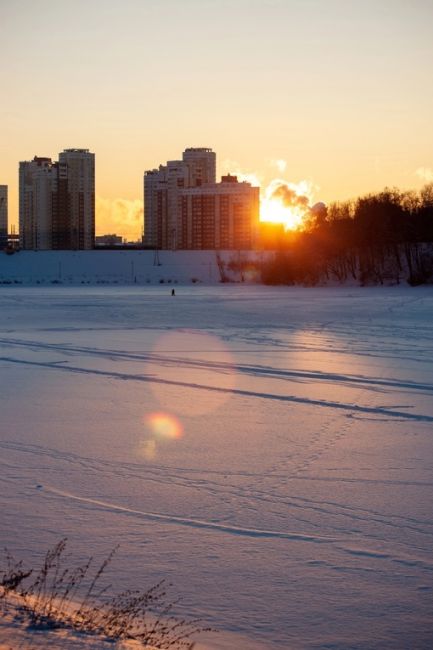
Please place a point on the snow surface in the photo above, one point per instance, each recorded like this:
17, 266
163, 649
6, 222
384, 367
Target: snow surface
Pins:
289, 500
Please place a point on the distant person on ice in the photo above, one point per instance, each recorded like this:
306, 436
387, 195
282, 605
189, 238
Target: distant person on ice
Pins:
173, 293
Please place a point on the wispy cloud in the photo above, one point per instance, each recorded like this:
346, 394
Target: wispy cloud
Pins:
425, 174
120, 216
278, 163
233, 167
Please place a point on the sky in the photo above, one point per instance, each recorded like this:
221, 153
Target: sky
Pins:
337, 93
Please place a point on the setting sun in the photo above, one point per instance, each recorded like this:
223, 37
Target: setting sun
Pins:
274, 211
286, 203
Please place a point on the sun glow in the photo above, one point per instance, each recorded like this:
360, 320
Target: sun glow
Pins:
274, 211
286, 203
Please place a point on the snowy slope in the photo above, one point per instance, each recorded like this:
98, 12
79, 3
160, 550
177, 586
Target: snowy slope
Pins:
287, 493
120, 267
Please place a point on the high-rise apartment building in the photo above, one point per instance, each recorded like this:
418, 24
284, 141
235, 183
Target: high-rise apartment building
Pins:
3, 216
37, 186
201, 166
162, 194
220, 216
57, 201
78, 166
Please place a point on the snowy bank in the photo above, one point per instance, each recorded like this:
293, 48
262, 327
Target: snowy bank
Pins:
125, 267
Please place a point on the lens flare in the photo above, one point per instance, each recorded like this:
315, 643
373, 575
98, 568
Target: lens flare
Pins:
185, 360
148, 449
164, 426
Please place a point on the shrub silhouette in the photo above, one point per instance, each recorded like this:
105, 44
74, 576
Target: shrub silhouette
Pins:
58, 595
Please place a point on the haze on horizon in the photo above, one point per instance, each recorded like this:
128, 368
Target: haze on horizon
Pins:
278, 88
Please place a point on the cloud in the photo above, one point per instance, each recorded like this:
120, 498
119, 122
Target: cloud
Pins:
289, 196
119, 216
233, 167
425, 174
279, 163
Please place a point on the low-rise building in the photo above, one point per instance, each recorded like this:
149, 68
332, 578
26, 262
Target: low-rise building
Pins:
102, 241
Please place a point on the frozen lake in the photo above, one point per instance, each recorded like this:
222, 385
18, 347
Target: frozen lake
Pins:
269, 451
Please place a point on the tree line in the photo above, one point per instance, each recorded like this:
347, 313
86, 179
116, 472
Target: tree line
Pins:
379, 238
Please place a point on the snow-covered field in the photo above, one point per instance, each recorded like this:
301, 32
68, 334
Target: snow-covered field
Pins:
269, 451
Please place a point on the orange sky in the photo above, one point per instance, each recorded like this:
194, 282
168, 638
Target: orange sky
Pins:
278, 88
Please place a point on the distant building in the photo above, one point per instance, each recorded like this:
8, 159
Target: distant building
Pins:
13, 240
108, 240
57, 202
162, 188
3, 216
220, 216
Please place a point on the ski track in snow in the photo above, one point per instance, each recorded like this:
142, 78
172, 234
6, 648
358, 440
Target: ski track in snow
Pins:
385, 412
194, 523
236, 530
256, 371
345, 517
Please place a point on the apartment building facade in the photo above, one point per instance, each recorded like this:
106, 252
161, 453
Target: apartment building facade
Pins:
184, 207
162, 194
221, 215
57, 202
